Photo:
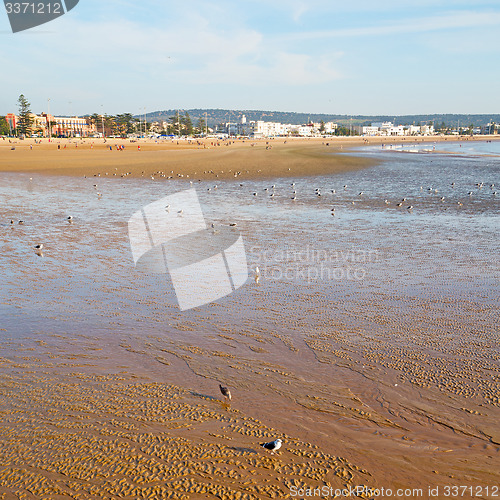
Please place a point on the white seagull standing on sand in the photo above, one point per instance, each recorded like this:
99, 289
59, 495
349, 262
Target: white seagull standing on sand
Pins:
272, 446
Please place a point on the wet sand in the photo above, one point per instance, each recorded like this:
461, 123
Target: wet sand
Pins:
388, 384
72, 429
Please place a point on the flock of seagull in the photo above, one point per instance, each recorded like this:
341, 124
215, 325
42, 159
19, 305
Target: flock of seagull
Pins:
39, 246
271, 192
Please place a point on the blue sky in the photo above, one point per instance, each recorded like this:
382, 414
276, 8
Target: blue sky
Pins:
350, 57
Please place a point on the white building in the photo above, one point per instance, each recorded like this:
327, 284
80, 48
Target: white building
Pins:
370, 130
261, 128
427, 130
330, 127
305, 130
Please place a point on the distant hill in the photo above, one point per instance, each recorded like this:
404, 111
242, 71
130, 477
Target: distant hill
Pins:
215, 116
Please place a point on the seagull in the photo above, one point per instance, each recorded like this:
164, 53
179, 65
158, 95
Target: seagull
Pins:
272, 446
257, 275
180, 212
21, 222
39, 246
225, 392
255, 194
232, 224
69, 218
167, 208
410, 207
399, 204
12, 222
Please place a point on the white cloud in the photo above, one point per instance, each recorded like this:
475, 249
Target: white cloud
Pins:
454, 20
191, 52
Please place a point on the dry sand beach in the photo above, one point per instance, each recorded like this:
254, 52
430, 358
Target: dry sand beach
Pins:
109, 391
201, 159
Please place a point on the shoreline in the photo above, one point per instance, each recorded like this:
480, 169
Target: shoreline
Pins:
198, 159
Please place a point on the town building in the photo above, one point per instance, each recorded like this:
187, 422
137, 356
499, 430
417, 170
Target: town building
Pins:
45, 125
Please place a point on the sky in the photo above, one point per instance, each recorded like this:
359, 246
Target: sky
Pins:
352, 57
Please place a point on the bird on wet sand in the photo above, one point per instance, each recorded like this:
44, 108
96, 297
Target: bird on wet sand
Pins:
39, 246
272, 446
257, 275
225, 392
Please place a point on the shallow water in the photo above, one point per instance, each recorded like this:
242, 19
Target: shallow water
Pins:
85, 275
